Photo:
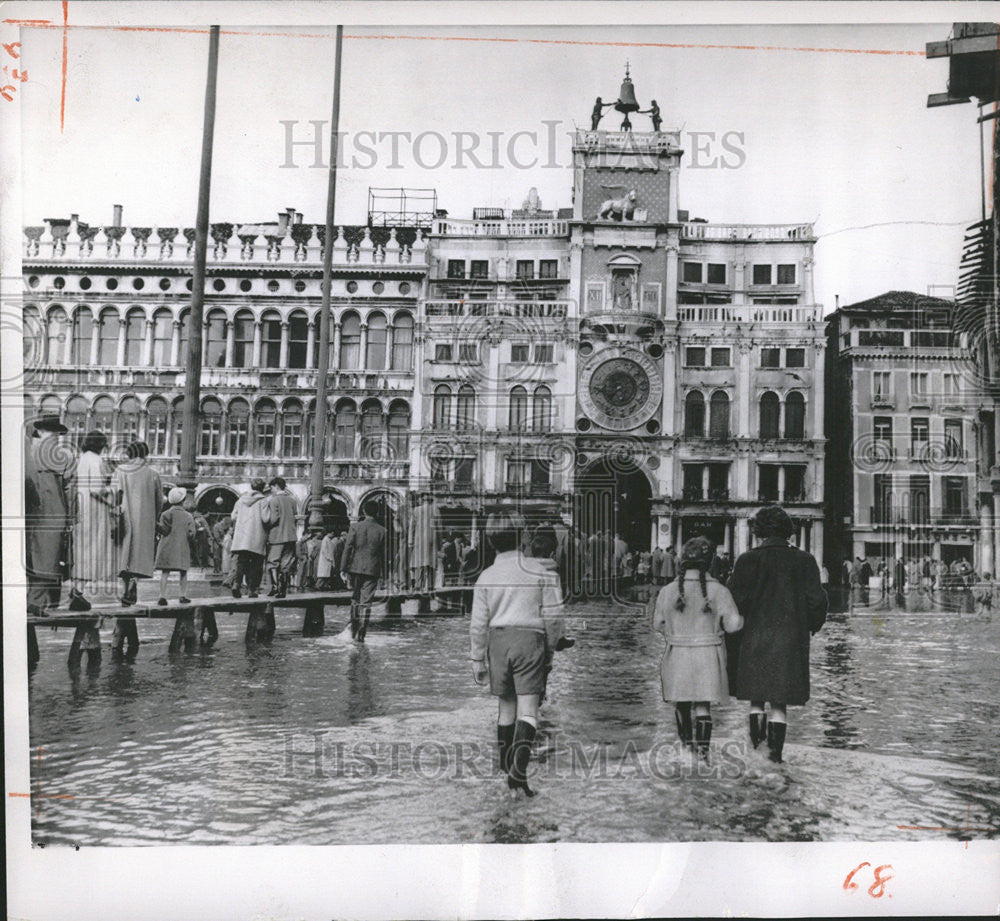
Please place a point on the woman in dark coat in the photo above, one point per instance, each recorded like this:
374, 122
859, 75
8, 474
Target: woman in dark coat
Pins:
778, 591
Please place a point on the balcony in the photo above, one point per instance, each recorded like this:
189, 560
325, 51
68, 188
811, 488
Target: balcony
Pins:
545, 227
662, 141
747, 232
497, 308
954, 516
905, 340
767, 314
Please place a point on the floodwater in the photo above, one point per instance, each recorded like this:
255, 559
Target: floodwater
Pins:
322, 741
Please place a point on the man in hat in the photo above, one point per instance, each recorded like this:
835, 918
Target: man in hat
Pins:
278, 515
364, 563
46, 514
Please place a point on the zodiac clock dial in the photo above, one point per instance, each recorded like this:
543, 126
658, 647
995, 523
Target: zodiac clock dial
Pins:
620, 389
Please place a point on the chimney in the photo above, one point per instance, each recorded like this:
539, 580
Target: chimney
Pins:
116, 221
291, 215
74, 220
836, 302
298, 217
282, 223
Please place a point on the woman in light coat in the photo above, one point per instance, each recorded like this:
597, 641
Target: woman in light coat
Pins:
692, 613
137, 487
95, 560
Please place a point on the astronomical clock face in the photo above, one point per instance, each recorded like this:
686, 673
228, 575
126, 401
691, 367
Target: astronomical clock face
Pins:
620, 389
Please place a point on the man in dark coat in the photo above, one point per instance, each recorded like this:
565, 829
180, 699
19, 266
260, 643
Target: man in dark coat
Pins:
364, 562
899, 579
778, 591
46, 514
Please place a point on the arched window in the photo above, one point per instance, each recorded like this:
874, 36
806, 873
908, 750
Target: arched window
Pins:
371, 430
163, 335
402, 342
718, 419
795, 415
156, 425
176, 425
243, 340
237, 428
215, 340
129, 411
76, 416
291, 428
265, 417
298, 339
184, 333
50, 406
331, 356
542, 409
350, 342
33, 339
58, 330
103, 418
108, 343
518, 409
399, 430
211, 427
270, 340
442, 406
465, 416
345, 425
135, 336
375, 359
769, 413
694, 415
83, 336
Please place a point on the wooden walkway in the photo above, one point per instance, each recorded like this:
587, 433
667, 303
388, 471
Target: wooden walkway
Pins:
195, 623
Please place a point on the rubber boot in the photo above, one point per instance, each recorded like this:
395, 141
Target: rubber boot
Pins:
520, 755
758, 728
354, 621
363, 624
272, 575
775, 741
703, 734
682, 717
505, 741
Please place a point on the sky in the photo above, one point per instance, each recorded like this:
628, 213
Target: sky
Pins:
841, 139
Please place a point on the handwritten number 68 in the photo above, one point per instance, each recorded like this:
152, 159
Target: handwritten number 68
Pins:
877, 888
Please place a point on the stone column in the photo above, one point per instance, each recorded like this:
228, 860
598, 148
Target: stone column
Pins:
363, 357
493, 394
95, 341
781, 483
704, 481
743, 424
283, 354
230, 343
816, 391
311, 344
120, 357
175, 345
147, 346
389, 339
670, 294
816, 543
986, 536
335, 357
742, 535
257, 342
668, 412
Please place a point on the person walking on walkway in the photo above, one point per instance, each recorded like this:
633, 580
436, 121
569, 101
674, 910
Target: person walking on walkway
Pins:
278, 515
777, 590
515, 603
177, 531
421, 538
140, 497
95, 564
693, 613
249, 540
364, 562
46, 513
324, 562
668, 568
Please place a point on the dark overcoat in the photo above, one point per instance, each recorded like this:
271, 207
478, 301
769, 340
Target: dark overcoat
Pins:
778, 591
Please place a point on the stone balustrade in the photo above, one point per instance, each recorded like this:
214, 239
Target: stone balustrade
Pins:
697, 230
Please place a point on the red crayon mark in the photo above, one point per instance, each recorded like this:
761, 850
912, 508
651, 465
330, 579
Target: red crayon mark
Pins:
849, 882
968, 826
877, 889
9, 48
65, 48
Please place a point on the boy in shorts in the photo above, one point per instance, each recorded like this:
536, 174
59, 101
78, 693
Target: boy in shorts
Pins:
516, 602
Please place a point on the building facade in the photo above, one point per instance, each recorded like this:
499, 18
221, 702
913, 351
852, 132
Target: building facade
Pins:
904, 427
615, 365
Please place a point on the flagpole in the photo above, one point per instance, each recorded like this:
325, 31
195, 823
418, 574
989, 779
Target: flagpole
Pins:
190, 428
323, 364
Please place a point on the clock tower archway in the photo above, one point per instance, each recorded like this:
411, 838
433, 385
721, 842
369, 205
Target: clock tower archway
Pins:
615, 496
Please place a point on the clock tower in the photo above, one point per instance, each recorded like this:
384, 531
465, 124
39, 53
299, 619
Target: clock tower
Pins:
624, 240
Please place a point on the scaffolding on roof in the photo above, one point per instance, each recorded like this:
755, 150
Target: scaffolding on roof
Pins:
401, 207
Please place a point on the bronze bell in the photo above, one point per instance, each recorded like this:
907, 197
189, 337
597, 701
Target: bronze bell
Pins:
626, 97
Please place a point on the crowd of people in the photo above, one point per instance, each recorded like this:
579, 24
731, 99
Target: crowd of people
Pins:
900, 577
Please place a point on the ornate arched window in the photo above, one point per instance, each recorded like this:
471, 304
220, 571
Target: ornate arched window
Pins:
129, 412
770, 411
291, 428
375, 359
442, 406
795, 415
163, 335
694, 414
399, 430
243, 339
135, 336
542, 409
402, 342
350, 342
215, 339
718, 418
345, 425
83, 336
265, 421
176, 425
518, 416
465, 414
185, 332
270, 340
238, 428
371, 430
56, 334
156, 425
298, 339
76, 416
211, 427
103, 416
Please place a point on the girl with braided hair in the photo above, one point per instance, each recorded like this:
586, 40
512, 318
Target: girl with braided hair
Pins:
692, 613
